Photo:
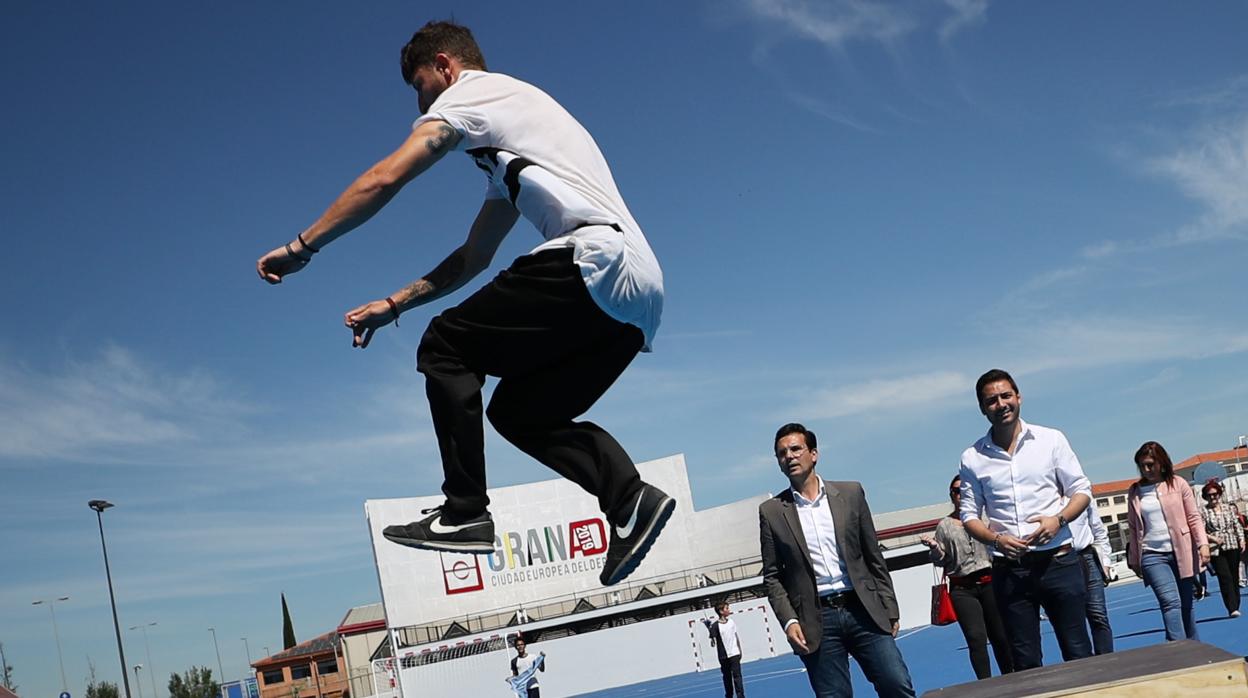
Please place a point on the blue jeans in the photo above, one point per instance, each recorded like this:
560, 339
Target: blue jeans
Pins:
1054, 582
1098, 616
1174, 595
851, 631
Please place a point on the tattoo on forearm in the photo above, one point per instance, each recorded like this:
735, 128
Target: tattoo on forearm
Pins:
441, 279
443, 140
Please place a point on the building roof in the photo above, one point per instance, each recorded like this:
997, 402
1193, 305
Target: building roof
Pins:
1234, 455
906, 517
1102, 489
363, 619
6, 693
323, 644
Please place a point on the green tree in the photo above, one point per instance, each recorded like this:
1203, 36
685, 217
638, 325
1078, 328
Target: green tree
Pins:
99, 689
196, 682
288, 627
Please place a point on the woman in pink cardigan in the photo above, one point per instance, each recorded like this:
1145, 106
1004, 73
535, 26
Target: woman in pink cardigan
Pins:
1168, 545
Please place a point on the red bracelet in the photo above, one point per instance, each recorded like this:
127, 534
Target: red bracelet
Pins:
394, 309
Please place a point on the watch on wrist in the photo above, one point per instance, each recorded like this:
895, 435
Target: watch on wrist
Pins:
1061, 520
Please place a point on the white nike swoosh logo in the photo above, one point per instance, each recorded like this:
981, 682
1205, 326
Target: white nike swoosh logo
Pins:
438, 527
627, 529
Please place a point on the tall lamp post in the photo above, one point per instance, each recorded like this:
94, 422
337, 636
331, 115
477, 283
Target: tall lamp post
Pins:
247, 646
218, 649
137, 682
151, 671
99, 505
56, 634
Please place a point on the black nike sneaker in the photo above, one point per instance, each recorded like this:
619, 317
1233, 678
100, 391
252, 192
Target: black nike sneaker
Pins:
434, 532
630, 542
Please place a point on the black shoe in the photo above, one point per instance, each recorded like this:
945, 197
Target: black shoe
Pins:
434, 532
630, 542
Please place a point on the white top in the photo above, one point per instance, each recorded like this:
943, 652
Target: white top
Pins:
728, 636
523, 664
1037, 480
820, 532
539, 157
1156, 532
1087, 529
1091, 520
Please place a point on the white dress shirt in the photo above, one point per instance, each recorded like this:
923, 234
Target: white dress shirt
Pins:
820, 532
1037, 480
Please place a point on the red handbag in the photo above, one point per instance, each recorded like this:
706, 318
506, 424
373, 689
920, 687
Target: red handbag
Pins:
942, 604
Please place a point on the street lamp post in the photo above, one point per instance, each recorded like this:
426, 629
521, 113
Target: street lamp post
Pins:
218, 649
56, 633
247, 646
151, 671
137, 682
99, 505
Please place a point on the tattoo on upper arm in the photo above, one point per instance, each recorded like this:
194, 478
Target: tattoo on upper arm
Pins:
442, 141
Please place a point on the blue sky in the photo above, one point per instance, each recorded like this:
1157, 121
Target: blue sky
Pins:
859, 207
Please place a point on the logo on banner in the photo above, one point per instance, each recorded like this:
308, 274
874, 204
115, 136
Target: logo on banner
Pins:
461, 573
589, 537
530, 555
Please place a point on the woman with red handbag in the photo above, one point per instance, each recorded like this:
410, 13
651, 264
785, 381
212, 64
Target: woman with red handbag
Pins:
967, 563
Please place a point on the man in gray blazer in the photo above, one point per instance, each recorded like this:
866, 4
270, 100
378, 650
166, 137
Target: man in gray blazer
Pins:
825, 576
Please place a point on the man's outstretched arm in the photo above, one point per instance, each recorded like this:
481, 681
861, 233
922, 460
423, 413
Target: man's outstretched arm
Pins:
493, 222
363, 199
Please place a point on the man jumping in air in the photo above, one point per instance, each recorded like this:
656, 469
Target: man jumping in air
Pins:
557, 328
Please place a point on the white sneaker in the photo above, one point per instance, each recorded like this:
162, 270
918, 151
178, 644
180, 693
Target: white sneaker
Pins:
1234, 614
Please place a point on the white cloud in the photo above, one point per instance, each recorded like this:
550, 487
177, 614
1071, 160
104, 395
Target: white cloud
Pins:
825, 109
107, 403
115, 409
1212, 169
903, 392
836, 22
966, 14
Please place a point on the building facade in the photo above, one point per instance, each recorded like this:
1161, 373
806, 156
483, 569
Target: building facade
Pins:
310, 669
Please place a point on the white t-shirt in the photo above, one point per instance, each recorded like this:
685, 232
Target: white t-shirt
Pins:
728, 636
539, 157
1156, 532
522, 664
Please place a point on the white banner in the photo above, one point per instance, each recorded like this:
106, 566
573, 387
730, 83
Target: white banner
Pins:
550, 541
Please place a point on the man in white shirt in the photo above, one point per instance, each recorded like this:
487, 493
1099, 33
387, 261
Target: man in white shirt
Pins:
524, 668
1095, 558
826, 578
727, 644
557, 328
1028, 482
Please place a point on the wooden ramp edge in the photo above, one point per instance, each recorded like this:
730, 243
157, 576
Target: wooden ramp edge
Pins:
1186, 669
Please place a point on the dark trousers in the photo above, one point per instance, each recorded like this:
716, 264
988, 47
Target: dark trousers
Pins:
980, 621
1097, 612
1054, 582
851, 631
1226, 567
730, 667
555, 352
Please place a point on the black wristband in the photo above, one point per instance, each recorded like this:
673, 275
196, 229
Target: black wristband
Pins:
291, 252
303, 242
